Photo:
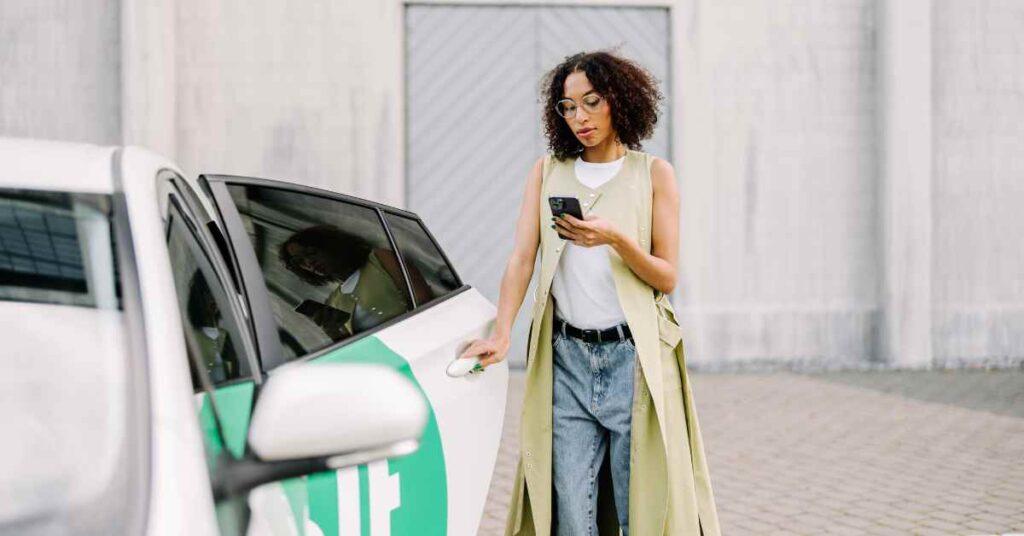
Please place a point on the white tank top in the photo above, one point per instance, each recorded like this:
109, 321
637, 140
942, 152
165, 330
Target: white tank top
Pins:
582, 287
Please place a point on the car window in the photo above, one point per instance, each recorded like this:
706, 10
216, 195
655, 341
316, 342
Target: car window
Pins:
328, 265
57, 248
203, 303
430, 274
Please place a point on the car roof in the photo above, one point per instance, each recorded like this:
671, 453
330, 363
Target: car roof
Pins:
56, 165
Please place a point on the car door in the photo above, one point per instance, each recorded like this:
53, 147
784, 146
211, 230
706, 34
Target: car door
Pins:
333, 278
221, 356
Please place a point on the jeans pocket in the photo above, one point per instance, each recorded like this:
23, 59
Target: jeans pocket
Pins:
559, 347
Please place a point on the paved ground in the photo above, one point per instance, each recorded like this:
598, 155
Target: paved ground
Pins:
867, 452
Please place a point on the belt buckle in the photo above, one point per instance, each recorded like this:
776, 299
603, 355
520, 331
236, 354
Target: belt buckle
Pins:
587, 334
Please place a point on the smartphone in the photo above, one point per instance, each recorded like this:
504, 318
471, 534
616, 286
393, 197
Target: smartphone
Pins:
565, 205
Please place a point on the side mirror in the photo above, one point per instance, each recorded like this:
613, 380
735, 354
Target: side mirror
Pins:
337, 411
317, 417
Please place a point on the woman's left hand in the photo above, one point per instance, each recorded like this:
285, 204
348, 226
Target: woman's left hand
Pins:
591, 231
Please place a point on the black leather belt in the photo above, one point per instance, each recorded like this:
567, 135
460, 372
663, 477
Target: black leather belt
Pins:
614, 333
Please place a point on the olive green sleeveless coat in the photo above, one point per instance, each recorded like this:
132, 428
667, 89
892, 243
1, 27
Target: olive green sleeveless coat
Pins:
669, 486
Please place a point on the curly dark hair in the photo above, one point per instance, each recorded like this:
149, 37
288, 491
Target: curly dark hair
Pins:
347, 251
632, 93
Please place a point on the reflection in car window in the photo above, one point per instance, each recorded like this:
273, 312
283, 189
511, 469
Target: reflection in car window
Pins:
202, 300
57, 247
328, 266
430, 275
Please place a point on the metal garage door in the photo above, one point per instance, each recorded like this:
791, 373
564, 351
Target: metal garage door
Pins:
474, 130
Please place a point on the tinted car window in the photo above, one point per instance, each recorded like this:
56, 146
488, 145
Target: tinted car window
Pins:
429, 273
328, 265
57, 247
202, 301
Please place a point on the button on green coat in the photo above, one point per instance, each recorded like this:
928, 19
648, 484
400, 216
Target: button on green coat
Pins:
669, 486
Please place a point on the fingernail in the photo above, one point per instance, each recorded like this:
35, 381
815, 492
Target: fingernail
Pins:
552, 226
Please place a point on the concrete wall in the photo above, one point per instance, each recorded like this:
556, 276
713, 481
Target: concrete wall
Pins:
311, 94
978, 188
849, 169
59, 70
779, 181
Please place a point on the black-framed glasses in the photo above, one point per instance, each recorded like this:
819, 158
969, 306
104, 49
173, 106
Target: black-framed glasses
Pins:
567, 107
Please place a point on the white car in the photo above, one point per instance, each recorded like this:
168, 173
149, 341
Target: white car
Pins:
230, 355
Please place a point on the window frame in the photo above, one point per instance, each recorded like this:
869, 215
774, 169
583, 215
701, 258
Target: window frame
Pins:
430, 236
140, 413
236, 321
269, 351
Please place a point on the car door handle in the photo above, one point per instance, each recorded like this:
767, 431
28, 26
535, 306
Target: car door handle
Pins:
464, 366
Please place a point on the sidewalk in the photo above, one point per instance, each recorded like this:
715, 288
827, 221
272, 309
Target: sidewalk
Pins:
874, 452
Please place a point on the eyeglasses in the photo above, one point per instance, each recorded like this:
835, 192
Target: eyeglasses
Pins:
567, 107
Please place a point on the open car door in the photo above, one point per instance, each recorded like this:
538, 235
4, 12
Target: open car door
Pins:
329, 278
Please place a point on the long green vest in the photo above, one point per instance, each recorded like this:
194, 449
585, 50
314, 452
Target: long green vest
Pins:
669, 486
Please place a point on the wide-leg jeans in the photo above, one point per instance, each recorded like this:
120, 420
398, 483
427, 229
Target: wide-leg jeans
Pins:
592, 403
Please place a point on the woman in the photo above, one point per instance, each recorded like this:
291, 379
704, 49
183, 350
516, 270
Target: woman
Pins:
616, 382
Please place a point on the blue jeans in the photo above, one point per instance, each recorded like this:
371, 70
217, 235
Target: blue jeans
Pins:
592, 402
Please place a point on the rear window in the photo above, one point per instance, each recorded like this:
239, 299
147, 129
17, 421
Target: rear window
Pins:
429, 271
57, 247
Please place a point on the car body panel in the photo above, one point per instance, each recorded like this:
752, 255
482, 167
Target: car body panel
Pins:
174, 470
440, 489
180, 502
469, 409
422, 493
78, 456
57, 166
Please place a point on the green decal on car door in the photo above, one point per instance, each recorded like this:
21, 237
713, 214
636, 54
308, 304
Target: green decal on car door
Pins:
409, 494
401, 496
226, 429
234, 407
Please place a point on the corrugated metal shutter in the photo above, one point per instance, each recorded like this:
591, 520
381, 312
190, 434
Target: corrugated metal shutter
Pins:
474, 130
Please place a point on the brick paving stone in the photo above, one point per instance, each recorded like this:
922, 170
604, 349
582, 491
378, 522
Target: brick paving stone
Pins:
940, 524
855, 522
896, 523
997, 391
844, 530
946, 515
891, 452
888, 531
986, 526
